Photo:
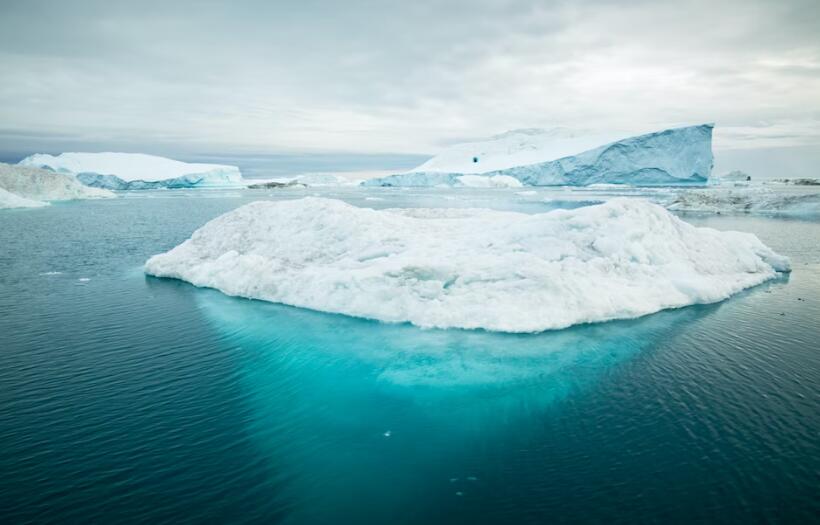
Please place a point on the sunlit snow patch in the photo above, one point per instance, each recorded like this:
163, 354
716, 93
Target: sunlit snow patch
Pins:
469, 268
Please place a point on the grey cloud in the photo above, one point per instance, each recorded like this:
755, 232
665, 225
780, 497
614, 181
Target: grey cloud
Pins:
400, 76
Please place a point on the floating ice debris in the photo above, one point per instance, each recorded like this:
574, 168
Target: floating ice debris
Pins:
51, 273
83, 279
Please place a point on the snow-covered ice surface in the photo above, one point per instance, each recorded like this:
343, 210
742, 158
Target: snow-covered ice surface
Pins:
32, 184
130, 171
10, 200
680, 156
469, 268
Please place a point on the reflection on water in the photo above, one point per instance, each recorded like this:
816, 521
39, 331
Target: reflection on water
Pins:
345, 405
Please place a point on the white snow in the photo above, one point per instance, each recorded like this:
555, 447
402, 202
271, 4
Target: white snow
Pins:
469, 268
10, 200
43, 185
137, 167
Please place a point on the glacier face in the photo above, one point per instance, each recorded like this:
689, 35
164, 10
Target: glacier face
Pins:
680, 156
42, 185
469, 268
137, 171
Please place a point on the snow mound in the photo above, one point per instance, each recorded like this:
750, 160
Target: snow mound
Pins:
130, 171
43, 185
10, 200
469, 268
748, 200
681, 156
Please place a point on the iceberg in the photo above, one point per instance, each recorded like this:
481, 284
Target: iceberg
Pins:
469, 268
496, 181
680, 156
785, 201
137, 171
35, 185
10, 200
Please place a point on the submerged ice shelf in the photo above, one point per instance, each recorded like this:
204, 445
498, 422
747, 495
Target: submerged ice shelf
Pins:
680, 156
469, 268
137, 171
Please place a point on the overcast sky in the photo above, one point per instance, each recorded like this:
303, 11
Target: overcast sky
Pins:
400, 77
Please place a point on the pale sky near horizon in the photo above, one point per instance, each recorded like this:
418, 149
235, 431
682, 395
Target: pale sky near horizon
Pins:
401, 77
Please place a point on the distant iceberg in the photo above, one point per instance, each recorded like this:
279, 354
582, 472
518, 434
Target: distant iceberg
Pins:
780, 201
681, 156
11, 200
28, 187
469, 268
137, 171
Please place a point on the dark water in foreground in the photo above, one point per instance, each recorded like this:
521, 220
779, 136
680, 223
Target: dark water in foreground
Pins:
132, 399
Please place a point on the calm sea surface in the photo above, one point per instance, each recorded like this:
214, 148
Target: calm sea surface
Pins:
129, 399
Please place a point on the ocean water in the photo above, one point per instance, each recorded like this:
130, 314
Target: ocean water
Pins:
129, 399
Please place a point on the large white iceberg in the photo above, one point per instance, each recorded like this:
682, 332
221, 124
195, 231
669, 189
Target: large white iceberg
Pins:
136, 171
31, 186
469, 268
681, 156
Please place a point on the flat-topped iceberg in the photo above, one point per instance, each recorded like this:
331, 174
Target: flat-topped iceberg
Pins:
681, 156
469, 268
137, 171
29, 187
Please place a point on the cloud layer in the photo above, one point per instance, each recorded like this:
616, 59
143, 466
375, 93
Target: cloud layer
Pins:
403, 77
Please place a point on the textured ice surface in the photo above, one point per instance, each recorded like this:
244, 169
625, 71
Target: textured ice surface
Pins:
681, 156
130, 171
469, 268
34, 184
497, 181
10, 200
786, 201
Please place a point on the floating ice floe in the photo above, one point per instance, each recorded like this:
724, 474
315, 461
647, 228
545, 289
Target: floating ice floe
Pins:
22, 186
748, 200
680, 156
137, 171
469, 268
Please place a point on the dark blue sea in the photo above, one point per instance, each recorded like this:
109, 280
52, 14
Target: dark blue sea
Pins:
129, 399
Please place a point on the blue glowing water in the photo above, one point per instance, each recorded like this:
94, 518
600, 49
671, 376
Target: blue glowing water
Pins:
132, 399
